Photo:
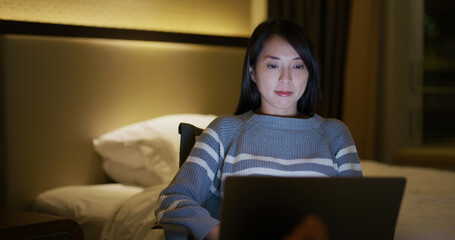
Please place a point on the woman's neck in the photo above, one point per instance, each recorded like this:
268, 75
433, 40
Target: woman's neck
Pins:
293, 115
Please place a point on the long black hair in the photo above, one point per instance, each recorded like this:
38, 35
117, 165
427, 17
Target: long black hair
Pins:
250, 98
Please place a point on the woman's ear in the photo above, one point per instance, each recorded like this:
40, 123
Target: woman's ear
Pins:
251, 70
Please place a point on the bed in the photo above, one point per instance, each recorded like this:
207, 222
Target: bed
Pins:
70, 102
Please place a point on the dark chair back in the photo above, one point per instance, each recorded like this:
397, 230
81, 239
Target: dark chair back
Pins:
188, 134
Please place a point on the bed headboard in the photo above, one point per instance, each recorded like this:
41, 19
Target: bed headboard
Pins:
58, 93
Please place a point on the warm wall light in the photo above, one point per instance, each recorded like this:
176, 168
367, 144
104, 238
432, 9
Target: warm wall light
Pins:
211, 17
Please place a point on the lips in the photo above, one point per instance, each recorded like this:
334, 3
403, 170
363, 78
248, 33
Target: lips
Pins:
283, 93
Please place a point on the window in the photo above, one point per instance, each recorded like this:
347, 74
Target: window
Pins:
439, 73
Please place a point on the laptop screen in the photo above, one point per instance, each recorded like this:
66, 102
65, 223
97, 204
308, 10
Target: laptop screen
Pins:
258, 207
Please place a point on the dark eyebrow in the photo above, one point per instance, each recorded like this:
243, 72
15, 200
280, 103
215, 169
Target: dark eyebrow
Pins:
277, 58
272, 57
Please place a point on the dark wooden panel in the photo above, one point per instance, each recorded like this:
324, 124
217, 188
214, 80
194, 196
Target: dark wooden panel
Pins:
47, 29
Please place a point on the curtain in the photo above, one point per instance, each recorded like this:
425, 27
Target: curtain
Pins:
327, 22
361, 75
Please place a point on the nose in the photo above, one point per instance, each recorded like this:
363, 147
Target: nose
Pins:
285, 75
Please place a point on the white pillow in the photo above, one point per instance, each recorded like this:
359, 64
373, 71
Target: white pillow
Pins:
145, 153
136, 176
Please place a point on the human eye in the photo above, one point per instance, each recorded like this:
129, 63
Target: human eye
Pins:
272, 66
299, 66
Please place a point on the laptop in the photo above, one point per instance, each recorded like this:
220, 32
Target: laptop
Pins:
257, 207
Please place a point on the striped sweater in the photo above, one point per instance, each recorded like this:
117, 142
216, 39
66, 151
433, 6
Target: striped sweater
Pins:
252, 144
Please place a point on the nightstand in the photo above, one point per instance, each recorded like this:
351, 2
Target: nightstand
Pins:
29, 225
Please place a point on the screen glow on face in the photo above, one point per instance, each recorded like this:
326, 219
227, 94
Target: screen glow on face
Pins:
281, 77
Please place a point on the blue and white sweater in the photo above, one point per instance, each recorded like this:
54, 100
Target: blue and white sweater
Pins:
252, 144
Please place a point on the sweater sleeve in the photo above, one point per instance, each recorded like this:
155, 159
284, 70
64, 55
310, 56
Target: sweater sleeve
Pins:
180, 203
345, 151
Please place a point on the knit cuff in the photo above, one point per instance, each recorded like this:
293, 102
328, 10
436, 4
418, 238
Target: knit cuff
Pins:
204, 226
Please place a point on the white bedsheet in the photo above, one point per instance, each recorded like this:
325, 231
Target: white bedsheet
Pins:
428, 207
88, 205
133, 217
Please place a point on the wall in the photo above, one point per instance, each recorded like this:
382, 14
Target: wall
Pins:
221, 17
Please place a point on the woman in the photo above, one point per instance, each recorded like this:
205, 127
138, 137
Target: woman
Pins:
275, 132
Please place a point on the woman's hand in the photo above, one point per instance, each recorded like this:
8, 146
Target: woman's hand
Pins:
214, 234
310, 228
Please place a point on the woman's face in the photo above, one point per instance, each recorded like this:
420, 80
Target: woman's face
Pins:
281, 77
